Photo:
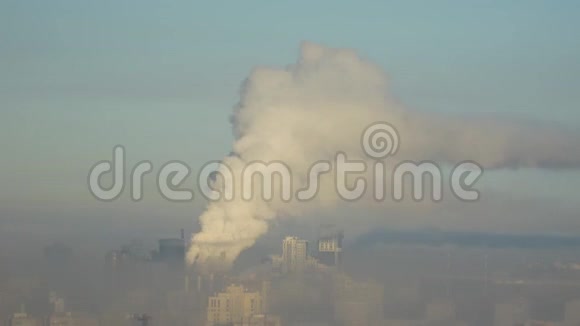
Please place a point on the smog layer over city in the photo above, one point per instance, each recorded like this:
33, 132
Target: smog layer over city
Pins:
290, 163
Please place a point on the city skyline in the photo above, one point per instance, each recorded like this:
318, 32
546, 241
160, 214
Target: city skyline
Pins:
289, 163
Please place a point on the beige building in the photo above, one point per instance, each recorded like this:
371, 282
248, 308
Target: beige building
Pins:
294, 255
330, 246
235, 306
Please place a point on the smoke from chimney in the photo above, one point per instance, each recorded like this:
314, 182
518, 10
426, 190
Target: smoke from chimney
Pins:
310, 110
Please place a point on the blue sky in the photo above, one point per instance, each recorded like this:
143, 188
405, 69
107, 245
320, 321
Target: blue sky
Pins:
78, 77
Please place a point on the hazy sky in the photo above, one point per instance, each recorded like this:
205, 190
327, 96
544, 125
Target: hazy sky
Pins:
78, 77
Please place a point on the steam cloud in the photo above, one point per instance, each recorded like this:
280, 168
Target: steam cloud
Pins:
321, 105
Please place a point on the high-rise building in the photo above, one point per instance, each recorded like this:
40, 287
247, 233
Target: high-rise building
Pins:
294, 255
235, 306
330, 246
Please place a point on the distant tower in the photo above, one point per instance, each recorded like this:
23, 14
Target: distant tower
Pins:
330, 245
294, 254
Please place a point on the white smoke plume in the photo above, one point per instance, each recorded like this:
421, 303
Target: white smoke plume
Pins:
319, 106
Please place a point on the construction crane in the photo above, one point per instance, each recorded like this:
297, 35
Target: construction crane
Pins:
142, 319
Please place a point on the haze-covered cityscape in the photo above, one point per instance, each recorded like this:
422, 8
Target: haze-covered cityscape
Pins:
289, 163
399, 278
